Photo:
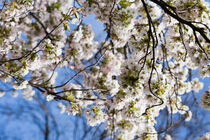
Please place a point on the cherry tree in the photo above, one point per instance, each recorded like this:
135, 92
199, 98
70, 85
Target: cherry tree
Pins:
143, 66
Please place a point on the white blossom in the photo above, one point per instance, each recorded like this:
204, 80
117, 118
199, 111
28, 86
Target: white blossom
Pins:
2, 93
205, 100
28, 93
61, 107
205, 136
167, 137
50, 97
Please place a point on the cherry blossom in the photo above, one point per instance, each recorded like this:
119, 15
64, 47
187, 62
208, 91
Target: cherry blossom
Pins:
143, 66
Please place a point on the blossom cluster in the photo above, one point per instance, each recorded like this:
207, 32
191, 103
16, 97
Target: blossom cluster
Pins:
143, 66
205, 136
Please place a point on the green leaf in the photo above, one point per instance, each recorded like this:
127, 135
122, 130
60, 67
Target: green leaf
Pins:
124, 3
70, 97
